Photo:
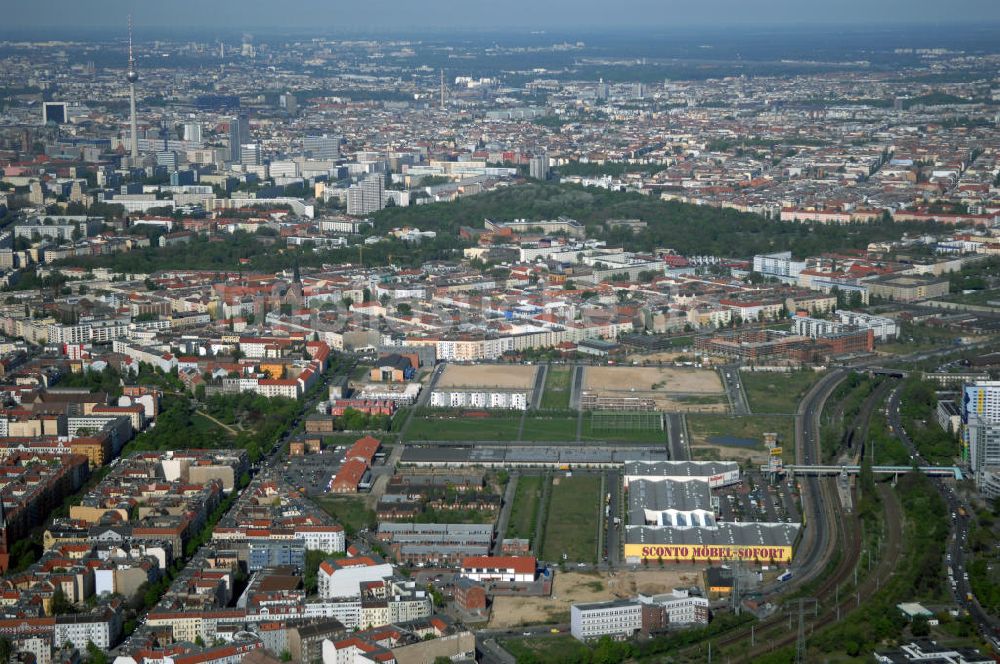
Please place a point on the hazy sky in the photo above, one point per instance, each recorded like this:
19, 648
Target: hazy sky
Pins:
405, 15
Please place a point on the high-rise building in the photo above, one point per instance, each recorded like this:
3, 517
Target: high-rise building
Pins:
239, 134
322, 147
251, 155
538, 167
168, 159
192, 132
289, 102
366, 197
54, 111
981, 425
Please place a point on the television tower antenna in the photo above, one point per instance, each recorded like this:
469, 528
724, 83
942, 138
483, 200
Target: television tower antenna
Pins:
442, 89
132, 76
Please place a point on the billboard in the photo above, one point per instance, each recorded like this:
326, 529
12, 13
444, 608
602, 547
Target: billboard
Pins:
709, 552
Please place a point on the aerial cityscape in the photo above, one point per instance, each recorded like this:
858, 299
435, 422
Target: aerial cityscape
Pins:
656, 332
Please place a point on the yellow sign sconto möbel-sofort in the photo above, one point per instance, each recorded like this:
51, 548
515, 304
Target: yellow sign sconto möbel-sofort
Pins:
703, 552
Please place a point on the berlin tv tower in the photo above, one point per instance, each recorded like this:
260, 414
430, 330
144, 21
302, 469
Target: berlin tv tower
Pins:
132, 76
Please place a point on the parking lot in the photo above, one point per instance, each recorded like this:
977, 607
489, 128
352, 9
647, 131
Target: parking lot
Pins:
312, 472
755, 500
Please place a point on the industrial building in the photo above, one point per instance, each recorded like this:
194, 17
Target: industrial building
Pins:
671, 503
716, 473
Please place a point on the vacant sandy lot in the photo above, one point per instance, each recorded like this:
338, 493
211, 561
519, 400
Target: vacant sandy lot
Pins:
668, 380
573, 588
488, 375
694, 405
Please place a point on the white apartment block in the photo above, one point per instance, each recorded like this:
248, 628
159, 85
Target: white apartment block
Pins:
101, 629
343, 578
95, 332
477, 399
322, 538
886, 329
779, 264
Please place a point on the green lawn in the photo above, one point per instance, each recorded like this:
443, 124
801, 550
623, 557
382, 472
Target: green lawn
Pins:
770, 392
555, 648
572, 520
542, 428
524, 511
557, 388
495, 427
352, 512
643, 428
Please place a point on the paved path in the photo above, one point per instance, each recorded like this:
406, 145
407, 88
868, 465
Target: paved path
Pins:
576, 386
536, 393
504, 519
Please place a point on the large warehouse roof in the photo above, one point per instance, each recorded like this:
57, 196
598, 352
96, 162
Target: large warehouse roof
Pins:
738, 534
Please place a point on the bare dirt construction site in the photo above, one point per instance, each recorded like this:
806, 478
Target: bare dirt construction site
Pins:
573, 588
674, 389
509, 377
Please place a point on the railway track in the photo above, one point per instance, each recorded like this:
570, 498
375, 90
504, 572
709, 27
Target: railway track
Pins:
782, 630
830, 527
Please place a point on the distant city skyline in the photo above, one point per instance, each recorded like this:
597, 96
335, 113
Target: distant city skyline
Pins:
394, 16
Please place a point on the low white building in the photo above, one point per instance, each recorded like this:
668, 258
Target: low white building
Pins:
619, 619
343, 578
507, 400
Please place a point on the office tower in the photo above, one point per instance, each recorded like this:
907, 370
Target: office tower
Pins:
167, 159
981, 425
366, 196
192, 132
322, 147
180, 178
602, 90
239, 134
289, 102
54, 111
132, 76
251, 155
538, 167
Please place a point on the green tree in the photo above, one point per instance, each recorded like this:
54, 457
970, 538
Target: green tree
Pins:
95, 655
60, 604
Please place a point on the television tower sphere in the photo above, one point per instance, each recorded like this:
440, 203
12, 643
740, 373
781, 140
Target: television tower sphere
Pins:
131, 75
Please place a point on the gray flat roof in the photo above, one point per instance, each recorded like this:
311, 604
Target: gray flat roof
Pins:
679, 468
740, 534
533, 454
441, 528
669, 494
